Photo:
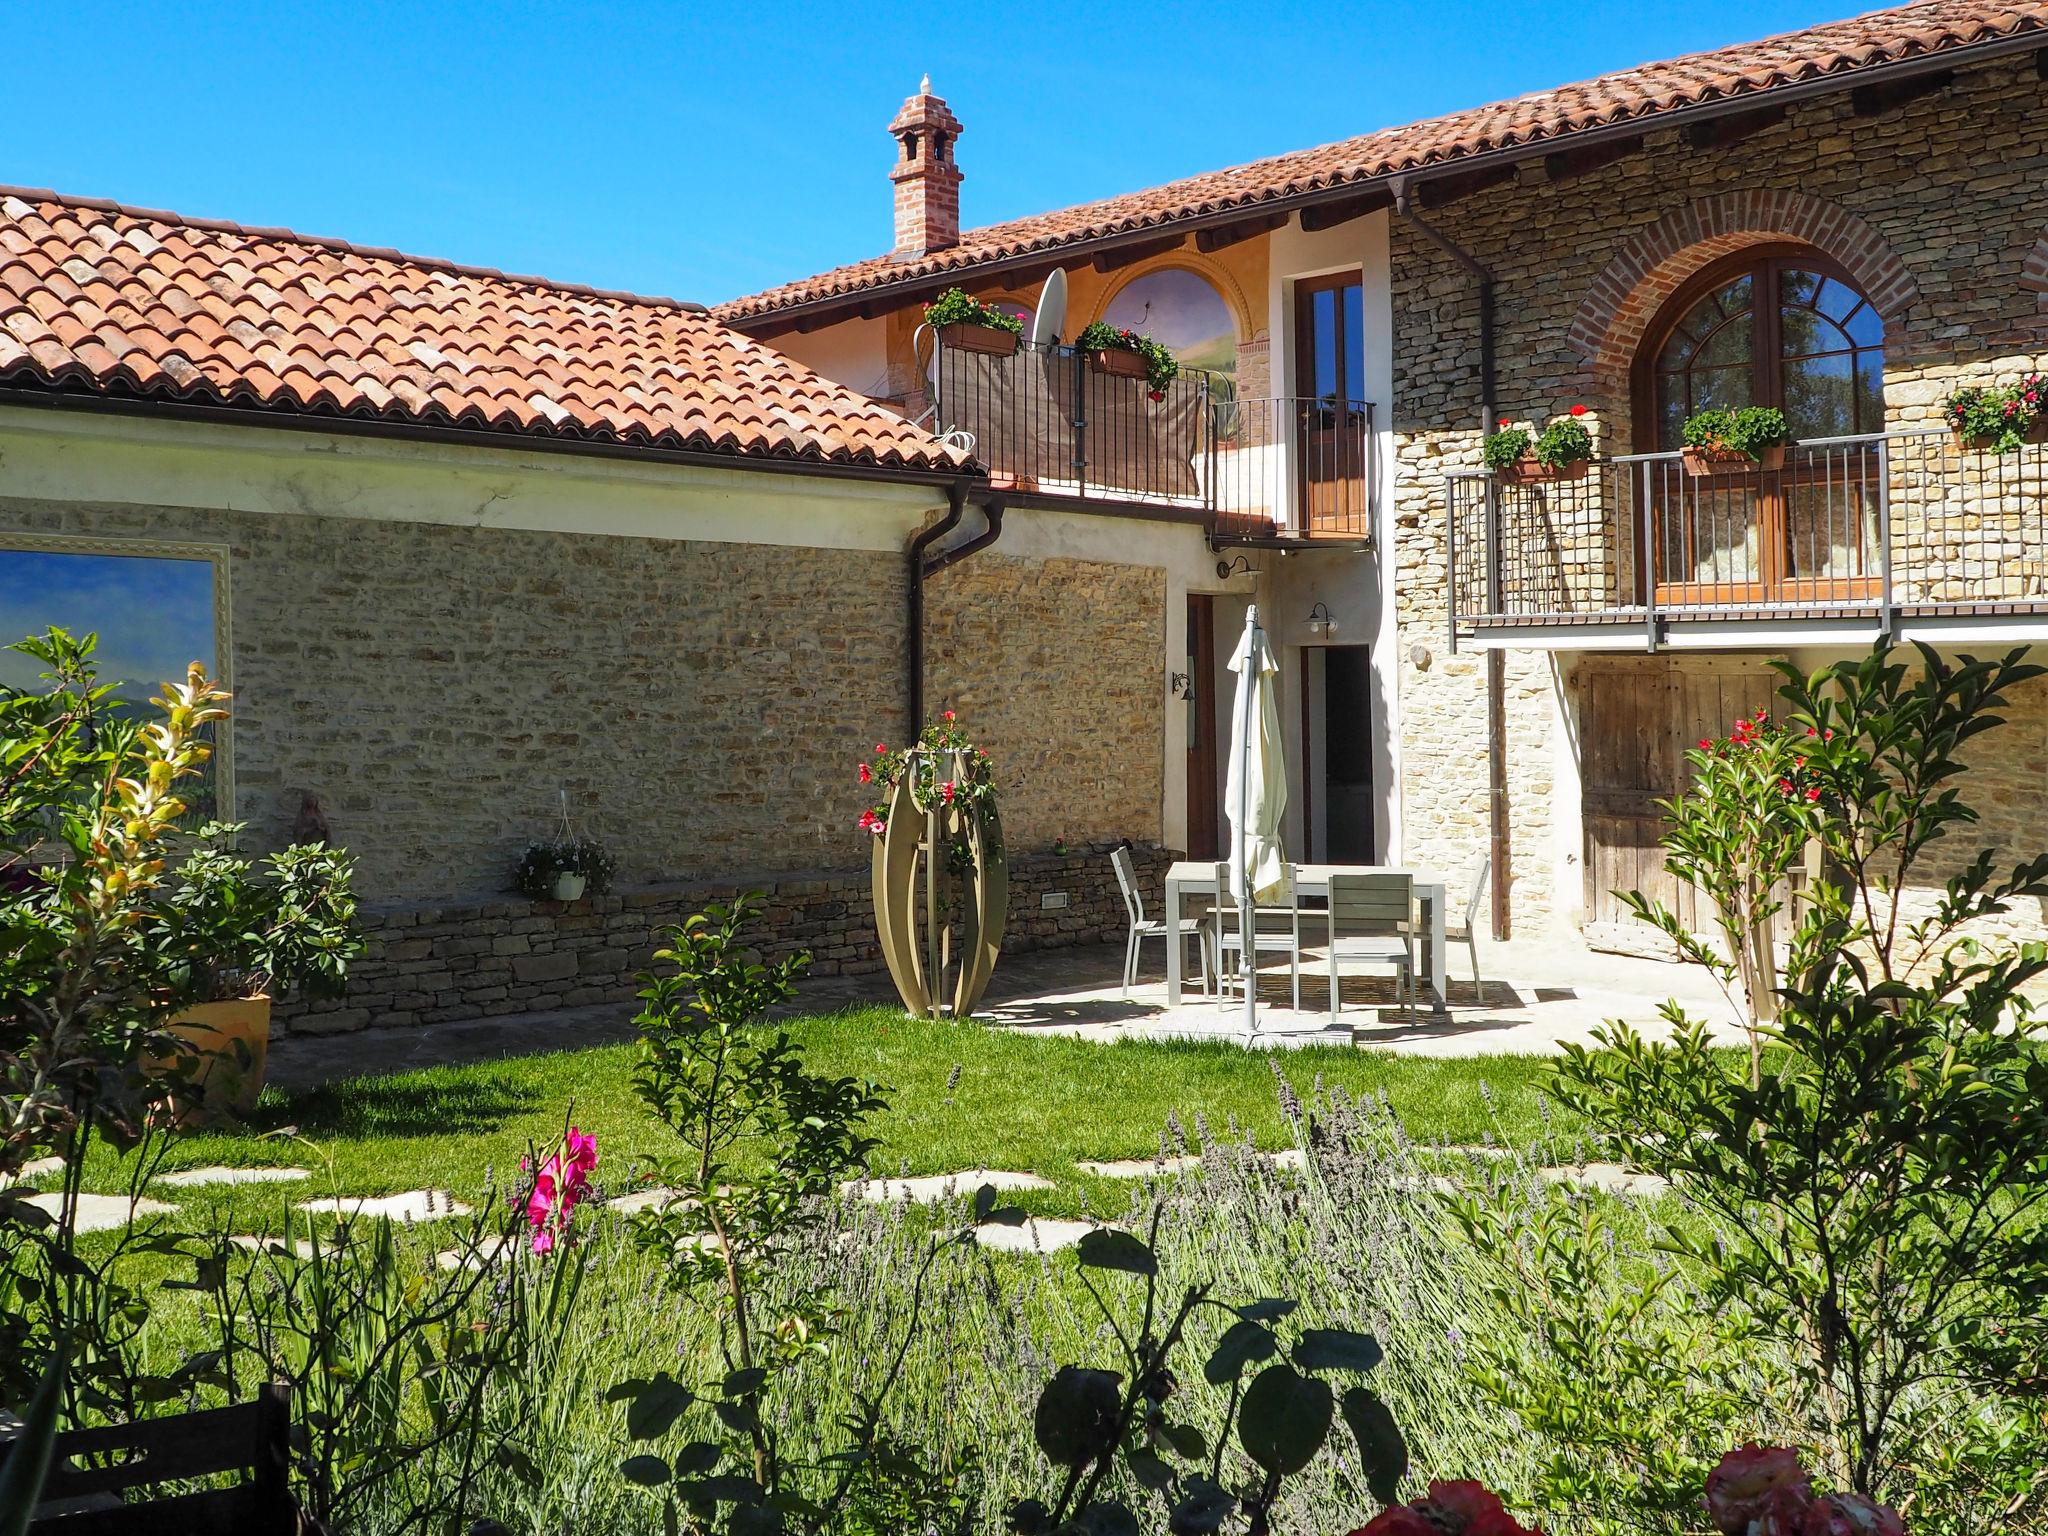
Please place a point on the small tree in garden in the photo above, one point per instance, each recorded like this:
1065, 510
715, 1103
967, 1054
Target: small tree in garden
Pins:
1875, 1182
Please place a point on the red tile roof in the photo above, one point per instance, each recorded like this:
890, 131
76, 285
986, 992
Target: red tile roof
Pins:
130, 303
1836, 49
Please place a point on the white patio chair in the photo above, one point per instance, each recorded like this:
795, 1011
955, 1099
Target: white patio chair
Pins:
1371, 920
1275, 930
1467, 932
1143, 928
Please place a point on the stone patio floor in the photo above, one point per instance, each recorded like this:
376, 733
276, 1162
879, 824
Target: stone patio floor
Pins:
1540, 992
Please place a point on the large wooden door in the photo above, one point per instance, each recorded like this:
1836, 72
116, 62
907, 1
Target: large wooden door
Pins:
1637, 715
1202, 838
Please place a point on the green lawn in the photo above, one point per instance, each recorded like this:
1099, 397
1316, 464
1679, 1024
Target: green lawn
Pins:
1031, 1104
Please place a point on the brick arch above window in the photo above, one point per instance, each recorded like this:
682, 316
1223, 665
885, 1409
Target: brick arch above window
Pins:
1656, 261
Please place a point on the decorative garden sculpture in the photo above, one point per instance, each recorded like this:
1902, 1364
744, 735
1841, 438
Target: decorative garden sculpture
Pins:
942, 884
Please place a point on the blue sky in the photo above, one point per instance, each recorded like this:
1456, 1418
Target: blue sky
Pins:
706, 150
154, 617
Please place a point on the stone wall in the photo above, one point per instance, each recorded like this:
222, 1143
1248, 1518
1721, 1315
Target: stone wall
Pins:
1938, 203
431, 964
703, 705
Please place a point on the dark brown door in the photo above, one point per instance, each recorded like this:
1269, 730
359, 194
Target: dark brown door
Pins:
1203, 842
1329, 405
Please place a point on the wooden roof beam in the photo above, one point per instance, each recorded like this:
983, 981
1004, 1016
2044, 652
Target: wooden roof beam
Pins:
1564, 164
1125, 255
1876, 100
1719, 132
1448, 189
1218, 236
1330, 215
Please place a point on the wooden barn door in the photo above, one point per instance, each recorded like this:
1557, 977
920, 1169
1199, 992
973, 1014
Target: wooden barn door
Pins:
1638, 714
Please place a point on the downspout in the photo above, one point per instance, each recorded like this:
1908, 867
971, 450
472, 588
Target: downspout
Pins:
923, 568
1501, 849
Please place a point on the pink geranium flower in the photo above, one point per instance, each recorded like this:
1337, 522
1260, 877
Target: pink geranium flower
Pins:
1753, 1482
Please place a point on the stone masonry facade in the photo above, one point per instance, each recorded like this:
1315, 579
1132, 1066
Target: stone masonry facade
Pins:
704, 707
426, 965
1938, 206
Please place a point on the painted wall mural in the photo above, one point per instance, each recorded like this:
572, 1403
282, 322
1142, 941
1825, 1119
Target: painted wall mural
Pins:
1183, 310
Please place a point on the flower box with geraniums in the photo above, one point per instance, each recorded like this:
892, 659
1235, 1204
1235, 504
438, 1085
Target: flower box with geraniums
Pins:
1721, 442
237, 935
1560, 452
564, 870
2000, 418
1127, 355
966, 324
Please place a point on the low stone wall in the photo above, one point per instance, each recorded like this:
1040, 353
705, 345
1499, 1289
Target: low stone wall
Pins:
428, 965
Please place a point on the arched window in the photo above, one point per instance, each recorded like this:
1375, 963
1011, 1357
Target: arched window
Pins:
1782, 326
1183, 310
1776, 326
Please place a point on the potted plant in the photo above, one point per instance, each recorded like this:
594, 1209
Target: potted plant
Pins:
566, 869
238, 934
1127, 355
1718, 441
1560, 452
966, 324
2000, 418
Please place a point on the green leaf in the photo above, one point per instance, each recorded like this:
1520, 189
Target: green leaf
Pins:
1107, 1248
1203, 1511
645, 1471
1267, 1309
1382, 1451
698, 1458
1336, 1349
1077, 1415
28, 1458
1150, 1469
1285, 1418
1243, 1343
652, 1407
1184, 1440
1104, 1518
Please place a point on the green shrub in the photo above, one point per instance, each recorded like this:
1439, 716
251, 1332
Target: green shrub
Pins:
1997, 417
1747, 431
1160, 367
956, 307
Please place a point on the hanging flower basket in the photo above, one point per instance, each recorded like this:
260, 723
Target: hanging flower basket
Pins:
1117, 363
1529, 470
1988, 442
1711, 462
1998, 419
987, 339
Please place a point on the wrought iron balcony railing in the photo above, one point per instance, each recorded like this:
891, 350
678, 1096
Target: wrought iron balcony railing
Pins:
1043, 419
1881, 526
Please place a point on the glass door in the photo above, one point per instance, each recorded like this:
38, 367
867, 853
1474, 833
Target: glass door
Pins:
1329, 408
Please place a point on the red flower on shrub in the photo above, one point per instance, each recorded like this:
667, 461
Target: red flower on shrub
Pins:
1754, 1482
867, 775
1578, 410
1849, 1514
1452, 1509
1398, 1520
949, 717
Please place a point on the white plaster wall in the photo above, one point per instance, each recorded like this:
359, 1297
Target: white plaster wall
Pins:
853, 352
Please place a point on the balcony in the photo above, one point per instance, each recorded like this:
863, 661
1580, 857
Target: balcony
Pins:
1893, 533
1044, 422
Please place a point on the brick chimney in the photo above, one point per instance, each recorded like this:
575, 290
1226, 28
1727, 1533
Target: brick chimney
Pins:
927, 180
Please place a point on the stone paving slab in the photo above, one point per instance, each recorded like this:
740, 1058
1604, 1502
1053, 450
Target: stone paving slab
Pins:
1038, 1234
99, 1213
1140, 1167
35, 1168
485, 1253
412, 1205
189, 1177
927, 1189
644, 1199
287, 1245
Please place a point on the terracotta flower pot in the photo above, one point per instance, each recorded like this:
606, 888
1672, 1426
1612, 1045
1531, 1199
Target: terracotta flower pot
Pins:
2037, 433
231, 1038
989, 339
1117, 362
1528, 471
1733, 461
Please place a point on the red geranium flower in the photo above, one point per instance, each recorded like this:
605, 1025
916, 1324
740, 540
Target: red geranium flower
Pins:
1850, 1514
1398, 1520
1578, 410
1751, 1482
949, 716
866, 774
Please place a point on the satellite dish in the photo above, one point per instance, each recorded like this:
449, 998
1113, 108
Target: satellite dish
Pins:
1051, 312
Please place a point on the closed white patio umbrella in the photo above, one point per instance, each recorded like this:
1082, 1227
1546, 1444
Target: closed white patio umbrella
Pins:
1255, 795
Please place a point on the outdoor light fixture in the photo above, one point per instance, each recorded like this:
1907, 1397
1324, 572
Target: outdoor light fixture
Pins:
1225, 569
1321, 621
1179, 684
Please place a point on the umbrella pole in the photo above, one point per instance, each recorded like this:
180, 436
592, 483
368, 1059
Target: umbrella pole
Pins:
1247, 901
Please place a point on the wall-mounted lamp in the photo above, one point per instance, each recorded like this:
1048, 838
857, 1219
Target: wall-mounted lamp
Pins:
1179, 684
1225, 569
1321, 621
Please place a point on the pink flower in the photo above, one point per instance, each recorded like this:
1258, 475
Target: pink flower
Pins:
563, 1180
947, 790
881, 747
949, 717
1749, 1482
1706, 744
866, 774
1850, 1514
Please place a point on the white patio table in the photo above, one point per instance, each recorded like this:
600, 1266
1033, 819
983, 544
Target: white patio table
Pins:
1187, 878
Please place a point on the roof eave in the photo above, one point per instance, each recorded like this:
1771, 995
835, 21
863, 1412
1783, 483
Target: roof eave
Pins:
783, 317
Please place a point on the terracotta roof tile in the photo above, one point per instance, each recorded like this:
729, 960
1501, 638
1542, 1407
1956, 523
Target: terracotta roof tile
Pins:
127, 303
1838, 48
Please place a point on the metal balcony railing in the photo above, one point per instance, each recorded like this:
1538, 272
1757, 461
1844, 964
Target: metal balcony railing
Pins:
1878, 525
1043, 419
